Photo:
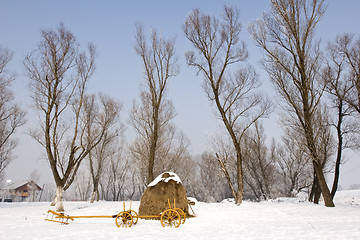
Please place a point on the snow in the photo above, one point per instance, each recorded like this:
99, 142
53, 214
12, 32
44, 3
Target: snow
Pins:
285, 218
350, 197
16, 185
172, 176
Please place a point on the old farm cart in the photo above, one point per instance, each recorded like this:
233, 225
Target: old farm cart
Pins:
171, 217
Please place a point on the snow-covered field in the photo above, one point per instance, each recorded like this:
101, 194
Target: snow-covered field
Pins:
279, 219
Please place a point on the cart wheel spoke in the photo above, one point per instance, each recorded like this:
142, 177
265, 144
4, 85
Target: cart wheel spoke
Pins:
170, 218
182, 215
124, 219
135, 216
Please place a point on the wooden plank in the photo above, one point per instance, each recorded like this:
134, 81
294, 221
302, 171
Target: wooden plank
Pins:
154, 216
50, 220
105, 216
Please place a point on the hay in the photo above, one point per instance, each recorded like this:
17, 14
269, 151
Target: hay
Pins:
155, 198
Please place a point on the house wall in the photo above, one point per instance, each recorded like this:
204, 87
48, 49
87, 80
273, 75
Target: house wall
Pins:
20, 194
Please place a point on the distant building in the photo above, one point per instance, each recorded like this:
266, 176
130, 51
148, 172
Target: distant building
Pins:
20, 192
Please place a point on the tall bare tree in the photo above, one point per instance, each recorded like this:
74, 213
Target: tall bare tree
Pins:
151, 119
11, 115
292, 59
59, 75
100, 109
218, 47
339, 79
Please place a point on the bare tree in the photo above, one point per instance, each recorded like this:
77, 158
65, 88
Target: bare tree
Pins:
11, 115
123, 181
260, 174
340, 83
292, 59
80, 190
59, 75
151, 119
292, 162
100, 110
218, 47
208, 183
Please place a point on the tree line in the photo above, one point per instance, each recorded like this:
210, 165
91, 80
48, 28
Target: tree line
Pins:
84, 137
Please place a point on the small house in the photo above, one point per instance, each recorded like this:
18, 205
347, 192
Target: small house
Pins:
20, 192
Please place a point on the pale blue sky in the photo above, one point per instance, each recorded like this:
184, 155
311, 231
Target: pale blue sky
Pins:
110, 25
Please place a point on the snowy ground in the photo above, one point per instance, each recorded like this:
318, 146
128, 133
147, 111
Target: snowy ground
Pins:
280, 219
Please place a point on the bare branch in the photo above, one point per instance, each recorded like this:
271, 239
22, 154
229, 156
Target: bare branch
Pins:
218, 46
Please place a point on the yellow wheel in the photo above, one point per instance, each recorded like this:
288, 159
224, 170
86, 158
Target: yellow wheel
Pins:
182, 214
124, 219
135, 216
170, 218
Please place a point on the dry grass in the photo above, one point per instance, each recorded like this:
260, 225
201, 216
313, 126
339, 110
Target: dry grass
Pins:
155, 199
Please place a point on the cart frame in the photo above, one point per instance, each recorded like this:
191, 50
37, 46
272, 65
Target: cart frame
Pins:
171, 217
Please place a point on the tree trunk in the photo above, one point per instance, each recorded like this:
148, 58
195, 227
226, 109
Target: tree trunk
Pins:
315, 191
336, 177
222, 165
153, 144
240, 181
58, 200
323, 186
317, 194
236, 143
291, 189
150, 175
95, 193
92, 198
312, 192
239, 196
339, 152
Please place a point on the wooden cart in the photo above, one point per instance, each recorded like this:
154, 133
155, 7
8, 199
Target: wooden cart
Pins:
172, 217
